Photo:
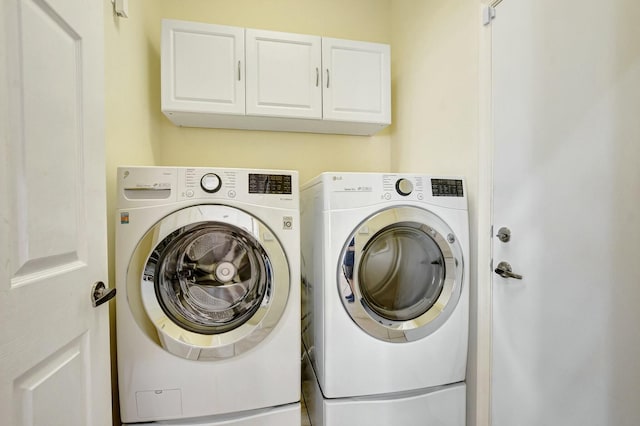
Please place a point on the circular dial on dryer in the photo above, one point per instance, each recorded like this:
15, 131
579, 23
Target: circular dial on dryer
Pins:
211, 183
404, 187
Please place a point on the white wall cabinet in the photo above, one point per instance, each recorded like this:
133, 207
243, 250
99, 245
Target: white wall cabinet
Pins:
202, 68
356, 81
283, 74
228, 77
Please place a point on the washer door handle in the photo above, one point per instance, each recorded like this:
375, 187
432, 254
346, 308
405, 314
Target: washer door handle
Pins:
100, 294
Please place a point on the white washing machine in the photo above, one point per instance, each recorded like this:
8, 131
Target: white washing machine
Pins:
208, 317
401, 323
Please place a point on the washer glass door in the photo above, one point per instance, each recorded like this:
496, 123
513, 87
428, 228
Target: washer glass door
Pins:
210, 277
212, 280
403, 266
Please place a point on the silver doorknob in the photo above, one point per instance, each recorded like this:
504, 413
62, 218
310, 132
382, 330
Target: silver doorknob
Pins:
100, 294
504, 270
504, 234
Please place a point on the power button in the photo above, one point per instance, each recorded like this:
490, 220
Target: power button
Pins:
287, 222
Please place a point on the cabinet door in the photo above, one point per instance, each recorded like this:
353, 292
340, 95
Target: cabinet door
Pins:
202, 68
356, 81
283, 74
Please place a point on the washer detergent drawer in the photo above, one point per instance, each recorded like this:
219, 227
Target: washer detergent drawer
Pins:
159, 404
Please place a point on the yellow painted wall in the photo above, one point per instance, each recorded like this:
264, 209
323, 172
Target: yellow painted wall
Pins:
435, 45
435, 92
131, 134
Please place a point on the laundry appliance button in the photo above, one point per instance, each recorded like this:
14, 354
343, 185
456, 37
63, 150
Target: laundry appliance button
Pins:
211, 183
404, 187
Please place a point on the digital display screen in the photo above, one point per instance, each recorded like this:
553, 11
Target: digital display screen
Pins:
447, 188
269, 184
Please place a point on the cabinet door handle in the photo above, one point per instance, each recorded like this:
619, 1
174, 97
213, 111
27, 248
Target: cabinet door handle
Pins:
327, 78
317, 76
238, 70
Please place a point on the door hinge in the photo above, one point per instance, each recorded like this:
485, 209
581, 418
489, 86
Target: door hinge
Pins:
488, 15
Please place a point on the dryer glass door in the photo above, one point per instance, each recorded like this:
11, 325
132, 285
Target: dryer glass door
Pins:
404, 266
401, 272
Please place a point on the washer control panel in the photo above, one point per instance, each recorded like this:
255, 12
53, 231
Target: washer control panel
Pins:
236, 184
261, 183
206, 183
154, 185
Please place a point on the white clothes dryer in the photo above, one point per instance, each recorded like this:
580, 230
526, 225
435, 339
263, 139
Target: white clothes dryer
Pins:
403, 242
207, 272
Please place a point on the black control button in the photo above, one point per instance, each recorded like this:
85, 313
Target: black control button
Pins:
211, 183
404, 187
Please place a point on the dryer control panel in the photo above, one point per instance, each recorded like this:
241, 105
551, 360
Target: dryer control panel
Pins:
409, 187
447, 188
351, 190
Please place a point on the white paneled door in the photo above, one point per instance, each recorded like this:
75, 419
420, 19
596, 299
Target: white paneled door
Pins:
54, 345
566, 102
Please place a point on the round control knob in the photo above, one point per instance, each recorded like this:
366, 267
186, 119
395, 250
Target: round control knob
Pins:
211, 183
404, 187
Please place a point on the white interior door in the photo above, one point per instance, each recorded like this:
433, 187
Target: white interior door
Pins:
566, 102
54, 346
